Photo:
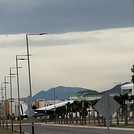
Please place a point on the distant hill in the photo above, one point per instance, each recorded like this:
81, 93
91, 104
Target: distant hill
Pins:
61, 93
116, 88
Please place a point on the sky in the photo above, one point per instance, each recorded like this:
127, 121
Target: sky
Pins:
88, 44
61, 16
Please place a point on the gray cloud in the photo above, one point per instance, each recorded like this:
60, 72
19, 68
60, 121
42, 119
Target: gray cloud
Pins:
59, 16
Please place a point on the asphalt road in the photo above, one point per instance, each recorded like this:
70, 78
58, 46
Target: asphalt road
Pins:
65, 129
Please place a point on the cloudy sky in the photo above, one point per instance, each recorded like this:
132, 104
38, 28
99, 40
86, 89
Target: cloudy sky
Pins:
89, 42
60, 16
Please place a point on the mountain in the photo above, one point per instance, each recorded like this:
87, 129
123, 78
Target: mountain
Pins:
61, 93
116, 88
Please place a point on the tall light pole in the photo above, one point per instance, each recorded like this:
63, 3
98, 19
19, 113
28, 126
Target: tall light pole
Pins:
17, 67
54, 109
11, 74
11, 96
1, 110
6, 100
28, 59
2, 95
29, 75
1, 107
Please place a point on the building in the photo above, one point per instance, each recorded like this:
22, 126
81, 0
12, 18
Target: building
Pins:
43, 103
7, 107
128, 88
90, 97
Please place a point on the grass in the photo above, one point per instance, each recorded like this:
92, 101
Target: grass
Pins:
7, 131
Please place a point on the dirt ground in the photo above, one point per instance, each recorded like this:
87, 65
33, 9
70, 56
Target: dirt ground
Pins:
7, 131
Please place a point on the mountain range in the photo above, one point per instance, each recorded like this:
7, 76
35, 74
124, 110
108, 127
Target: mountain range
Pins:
63, 93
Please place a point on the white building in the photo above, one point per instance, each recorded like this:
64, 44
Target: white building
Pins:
128, 88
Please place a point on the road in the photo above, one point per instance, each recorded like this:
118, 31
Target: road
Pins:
66, 129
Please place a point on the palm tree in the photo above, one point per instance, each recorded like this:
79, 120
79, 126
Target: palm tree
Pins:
79, 109
132, 70
93, 102
123, 99
86, 106
132, 79
117, 98
75, 109
69, 109
131, 99
61, 112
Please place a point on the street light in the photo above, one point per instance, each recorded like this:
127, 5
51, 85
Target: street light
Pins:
1, 110
28, 59
54, 109
2, 104
11, 95
17, 67
11, 74
6, 100
29, 74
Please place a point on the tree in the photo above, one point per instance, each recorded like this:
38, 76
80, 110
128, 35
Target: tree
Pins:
84, 105
132, 97
123, 99
93, 102
34, 107
75, 106
132, 106
61, 111
132, 70
117, 98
